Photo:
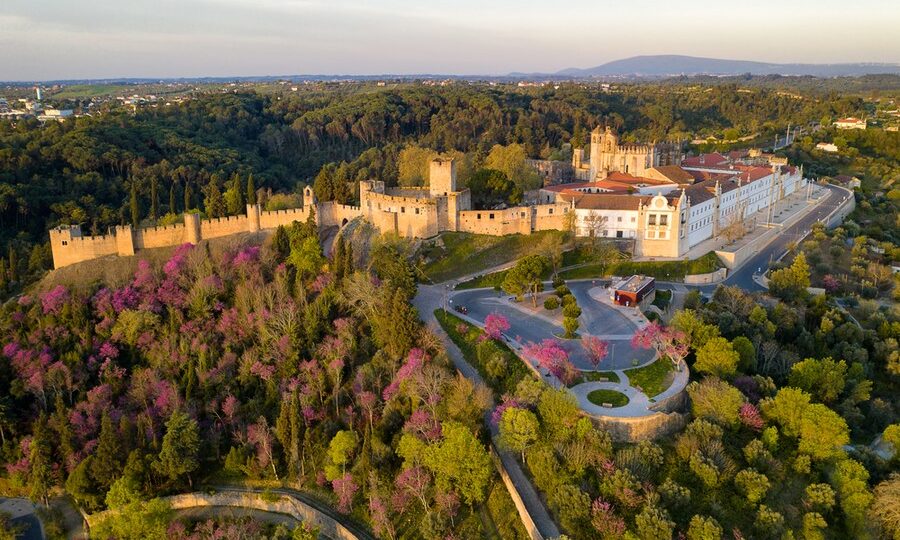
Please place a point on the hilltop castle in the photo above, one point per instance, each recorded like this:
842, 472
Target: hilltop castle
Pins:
646, 193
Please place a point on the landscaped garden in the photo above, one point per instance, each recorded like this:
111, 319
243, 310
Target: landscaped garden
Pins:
663, 270
496, 363
603, 376
652, 379
605, 397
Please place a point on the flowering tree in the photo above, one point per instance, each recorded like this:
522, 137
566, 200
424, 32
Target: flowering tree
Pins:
260, 435
667, 341
595, 348
345, 488
494, 325
415, 481
551, 356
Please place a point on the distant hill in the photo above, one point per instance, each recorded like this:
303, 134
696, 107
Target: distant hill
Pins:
670, 65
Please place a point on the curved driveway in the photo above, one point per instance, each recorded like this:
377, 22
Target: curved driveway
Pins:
597, 319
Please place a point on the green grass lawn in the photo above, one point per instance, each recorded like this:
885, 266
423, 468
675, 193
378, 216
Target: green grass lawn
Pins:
616, 399
502, 378
590, 376
652, 379
465, 253
663, 270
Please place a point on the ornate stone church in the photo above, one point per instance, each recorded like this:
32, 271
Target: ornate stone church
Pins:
607, 156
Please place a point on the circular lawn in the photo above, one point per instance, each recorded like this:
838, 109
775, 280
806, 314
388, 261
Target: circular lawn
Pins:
612, 397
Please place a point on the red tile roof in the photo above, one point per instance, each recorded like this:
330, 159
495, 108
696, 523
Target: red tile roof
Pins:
706, 160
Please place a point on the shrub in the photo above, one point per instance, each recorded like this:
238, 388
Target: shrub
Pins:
562, 290
568, 299
571, 311
551, 302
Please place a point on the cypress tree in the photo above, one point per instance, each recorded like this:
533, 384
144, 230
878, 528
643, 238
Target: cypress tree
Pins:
172, 208
107, 463
338, 258
349, 267
135, 206
188, 195
281, 243
154, 197
251, 190
13, 264
40, 478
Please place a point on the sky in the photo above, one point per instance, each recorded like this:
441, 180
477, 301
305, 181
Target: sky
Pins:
71, 39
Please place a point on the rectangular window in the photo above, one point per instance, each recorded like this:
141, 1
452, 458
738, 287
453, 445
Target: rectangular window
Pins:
652, 219
633, 219
663, 220
551, 211
417, 211
619, 234
402, 209
619, 219
490, 216
478, 216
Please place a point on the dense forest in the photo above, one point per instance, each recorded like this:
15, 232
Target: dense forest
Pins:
263, 362
152, 164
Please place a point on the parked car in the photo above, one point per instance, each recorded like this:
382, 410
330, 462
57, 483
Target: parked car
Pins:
461, 309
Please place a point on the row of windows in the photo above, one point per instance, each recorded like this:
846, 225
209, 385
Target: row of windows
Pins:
663, 219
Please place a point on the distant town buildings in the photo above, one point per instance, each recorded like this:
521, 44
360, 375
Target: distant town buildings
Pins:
850, 123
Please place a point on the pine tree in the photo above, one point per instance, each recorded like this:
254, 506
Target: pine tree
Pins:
251, 190
107, 463
135, 206
180, 448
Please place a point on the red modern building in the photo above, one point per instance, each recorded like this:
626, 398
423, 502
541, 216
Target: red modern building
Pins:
634, 290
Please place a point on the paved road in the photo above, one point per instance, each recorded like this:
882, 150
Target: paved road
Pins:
22, 512
429, 298
596, 319
743, 277
759, 263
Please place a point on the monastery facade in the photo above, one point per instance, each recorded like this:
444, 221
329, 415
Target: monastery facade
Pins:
608, 155
635, 192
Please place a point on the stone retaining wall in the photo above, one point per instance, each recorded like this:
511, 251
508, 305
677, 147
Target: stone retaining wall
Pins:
712, 277
285, 504
524, 516
641, 428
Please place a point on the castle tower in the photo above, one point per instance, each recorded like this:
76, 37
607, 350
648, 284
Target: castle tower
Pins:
253, 217
192, 228
442, 177
124, 240
577, 158
309, 197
